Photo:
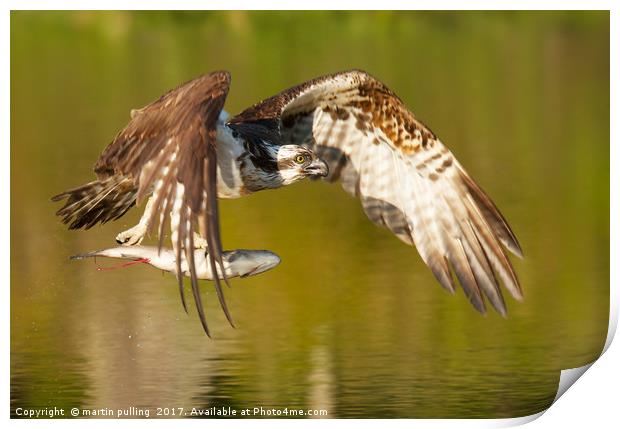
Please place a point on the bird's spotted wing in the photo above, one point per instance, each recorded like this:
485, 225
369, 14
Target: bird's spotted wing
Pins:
406, 179
168, 148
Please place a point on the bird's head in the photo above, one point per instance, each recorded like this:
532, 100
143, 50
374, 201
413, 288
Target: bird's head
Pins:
274, 164
296, 162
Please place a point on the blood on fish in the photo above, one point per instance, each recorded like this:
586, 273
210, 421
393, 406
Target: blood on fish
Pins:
126, 264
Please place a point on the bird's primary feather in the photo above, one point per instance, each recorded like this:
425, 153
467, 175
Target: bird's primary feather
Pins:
168, 148
406, 179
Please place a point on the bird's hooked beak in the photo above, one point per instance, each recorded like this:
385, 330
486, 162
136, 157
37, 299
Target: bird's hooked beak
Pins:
317, 167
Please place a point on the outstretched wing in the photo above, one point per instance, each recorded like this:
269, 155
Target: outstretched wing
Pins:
168, 148
406, 179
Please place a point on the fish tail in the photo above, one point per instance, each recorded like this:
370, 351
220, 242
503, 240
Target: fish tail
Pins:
85, 255
123, 252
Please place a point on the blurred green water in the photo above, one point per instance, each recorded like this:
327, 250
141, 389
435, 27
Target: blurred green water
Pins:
351, 321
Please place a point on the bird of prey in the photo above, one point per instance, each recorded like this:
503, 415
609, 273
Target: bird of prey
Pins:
185, 152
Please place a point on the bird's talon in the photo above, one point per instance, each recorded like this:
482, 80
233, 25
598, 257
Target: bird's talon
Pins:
131, 237
199, 242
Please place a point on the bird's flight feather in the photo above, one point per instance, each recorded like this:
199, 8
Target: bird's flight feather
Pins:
168, 148
406, 179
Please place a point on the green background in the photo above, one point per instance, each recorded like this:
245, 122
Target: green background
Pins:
351, 321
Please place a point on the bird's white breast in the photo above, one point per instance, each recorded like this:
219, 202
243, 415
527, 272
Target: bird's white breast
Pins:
229, 149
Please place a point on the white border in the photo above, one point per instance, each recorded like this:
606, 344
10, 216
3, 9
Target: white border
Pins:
314, 5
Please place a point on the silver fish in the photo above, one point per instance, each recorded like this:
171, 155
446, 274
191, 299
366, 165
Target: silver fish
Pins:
240, 262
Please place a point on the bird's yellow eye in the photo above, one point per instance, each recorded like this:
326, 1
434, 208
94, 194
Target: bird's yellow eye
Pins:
300, 159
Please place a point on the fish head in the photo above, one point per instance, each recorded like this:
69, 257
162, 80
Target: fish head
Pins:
244, 263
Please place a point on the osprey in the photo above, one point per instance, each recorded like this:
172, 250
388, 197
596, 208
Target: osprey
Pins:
183, 152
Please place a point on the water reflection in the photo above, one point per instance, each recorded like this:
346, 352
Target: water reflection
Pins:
351, 321
321, 381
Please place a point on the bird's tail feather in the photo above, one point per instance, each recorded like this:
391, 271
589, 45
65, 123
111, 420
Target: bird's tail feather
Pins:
98, 201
